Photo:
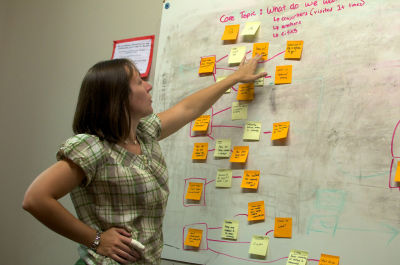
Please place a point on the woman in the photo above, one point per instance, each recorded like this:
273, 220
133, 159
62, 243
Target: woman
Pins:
113, 167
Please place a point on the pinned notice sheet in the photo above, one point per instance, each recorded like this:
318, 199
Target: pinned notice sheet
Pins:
280, 130
283, 74
256, 211
328, 260
139, 50
239, 154
193, 237
194, 191
283, 227
201, 123
200, 151
294, 49
297, 257
207, 65
259, 245
230, 229
236, 55
231, 32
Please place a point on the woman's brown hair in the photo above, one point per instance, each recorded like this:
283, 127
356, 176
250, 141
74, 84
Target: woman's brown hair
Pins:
103, 102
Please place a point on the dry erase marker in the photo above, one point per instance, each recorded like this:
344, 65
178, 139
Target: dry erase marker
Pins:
137, 245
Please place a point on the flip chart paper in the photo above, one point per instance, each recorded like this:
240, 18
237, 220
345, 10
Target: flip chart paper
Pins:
326, 259
222, 148
283, 227
297, 257
250, 28
283, 75
200, 151
193, 237
224, 178
231, 32
239, 111
236, 55
261, 49
256, 211
252, 131
294, 49
280, 130
230, 229
201, 123
245, 91
194, 191
207, 65
250, 179
239, 154
259, 245
397, 177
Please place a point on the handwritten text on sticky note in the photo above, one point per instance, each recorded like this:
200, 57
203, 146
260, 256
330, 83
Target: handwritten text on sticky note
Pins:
250, 179
201, 123
194, 191
222, 148
294, 49
245, 91
283, 227
230, 229
207, 65
239, 154
231, 32
252, 131
259, 245
261, 49
297, 257
256, 211
280, 130
328, 260
200, 151
250, 28
239, 110
224, 178
283, 74
193, 237
236, 55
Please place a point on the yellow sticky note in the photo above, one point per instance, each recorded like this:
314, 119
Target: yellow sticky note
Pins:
252, 131
224, 178
236, 55
297, 257
283, 74
397, 176
280, 130
239, 154
222, 78
259, 81
283, 227
294, 49
250, 179
245, 91
326, 259
239, 111
222, 148
230, 229
193, 237
194, 191
231, 32
259, 245
250, 28
201, 123
256, 211
200, 151
207, 65
261, 49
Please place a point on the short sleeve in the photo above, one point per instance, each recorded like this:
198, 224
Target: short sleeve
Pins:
151, 125
86, 151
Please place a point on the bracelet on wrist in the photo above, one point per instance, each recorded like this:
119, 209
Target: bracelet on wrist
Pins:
96, 242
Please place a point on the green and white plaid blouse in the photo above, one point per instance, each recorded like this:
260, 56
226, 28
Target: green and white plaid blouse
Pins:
121, 189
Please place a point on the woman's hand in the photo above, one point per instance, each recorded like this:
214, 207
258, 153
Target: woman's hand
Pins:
246, 71
116, 244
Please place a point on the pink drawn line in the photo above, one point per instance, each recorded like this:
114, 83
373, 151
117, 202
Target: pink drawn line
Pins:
269, 232
234, 89
227, 126
211, 150
221, 58
223, 241
272, 57
215, 228
394, 133
210, 181
237, 177
267, 132
245, 259
215, 80
221, 111
241, 214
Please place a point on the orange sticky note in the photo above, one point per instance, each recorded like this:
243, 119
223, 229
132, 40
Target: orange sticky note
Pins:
193, 237
280, 130
261, 49
250, 179
201, 123
200, 151
397, 177
256, 211
294, 49
239, 154
328, 260
194, 191
283, 74
231, 32
283, 227
207, 65
245, 91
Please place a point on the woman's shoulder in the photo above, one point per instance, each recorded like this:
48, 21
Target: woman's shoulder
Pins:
150, 126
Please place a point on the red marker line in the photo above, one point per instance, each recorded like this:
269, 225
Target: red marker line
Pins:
223, 241
267, 132
241, 214
222, 58
215, 228
210, 181
251, 260
221, 111
269, 232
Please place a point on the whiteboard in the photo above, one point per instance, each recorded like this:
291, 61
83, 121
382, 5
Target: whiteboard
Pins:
335, 173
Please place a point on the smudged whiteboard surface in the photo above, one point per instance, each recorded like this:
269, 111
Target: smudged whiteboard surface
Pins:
334, 176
